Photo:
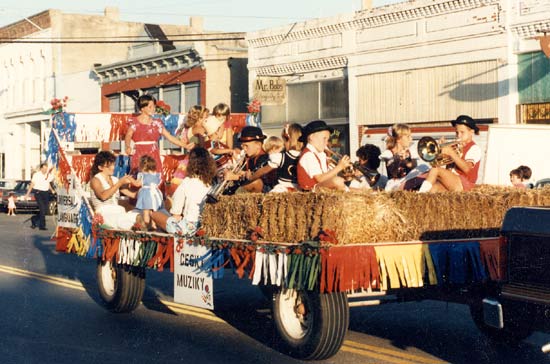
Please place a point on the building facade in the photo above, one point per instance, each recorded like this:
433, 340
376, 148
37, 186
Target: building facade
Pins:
54, 54
419, 62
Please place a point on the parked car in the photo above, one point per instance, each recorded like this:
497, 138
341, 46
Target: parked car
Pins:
6, 184
30, 204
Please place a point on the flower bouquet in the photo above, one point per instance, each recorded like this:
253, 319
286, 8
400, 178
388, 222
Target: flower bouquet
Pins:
56, 105
162, 108
253, 116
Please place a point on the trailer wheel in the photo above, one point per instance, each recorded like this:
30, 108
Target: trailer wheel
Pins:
518, 322
310, 325
120, 287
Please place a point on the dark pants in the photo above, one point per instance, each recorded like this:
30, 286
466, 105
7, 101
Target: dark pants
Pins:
42, 199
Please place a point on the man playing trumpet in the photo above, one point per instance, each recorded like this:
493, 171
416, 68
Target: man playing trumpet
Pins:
463, 175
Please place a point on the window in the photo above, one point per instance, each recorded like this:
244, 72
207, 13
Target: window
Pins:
334, 99
192, 95
172, 96
152, 92
303, 102
114, 103
327, 100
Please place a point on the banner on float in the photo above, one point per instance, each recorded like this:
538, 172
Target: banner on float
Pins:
68, 205
192, 286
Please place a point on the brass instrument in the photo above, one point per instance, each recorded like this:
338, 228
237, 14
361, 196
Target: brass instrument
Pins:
216, 190
348, 173
429, 150
371, 175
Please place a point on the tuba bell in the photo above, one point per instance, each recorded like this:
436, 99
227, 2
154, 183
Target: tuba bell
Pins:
429, 150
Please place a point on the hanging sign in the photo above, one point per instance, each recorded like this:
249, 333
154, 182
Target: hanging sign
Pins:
192, 285
270, 90
68, 205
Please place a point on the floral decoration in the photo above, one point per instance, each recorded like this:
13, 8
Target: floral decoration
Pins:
56, 105
254, 107
162, 108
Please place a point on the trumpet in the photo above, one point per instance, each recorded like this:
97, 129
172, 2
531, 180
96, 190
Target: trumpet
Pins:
347, 173
214, 194
429, 150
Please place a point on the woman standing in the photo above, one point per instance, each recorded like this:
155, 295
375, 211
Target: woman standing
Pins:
146, 132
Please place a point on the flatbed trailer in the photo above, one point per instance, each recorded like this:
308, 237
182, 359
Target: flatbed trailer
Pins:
312, 283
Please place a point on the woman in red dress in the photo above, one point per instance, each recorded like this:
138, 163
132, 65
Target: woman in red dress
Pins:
146, 132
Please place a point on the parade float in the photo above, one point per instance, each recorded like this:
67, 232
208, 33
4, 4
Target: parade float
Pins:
315, 254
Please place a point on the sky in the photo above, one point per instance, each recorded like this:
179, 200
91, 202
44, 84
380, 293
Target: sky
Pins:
220, 15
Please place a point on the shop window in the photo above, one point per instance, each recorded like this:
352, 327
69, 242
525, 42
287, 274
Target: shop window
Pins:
303, 102
334, 99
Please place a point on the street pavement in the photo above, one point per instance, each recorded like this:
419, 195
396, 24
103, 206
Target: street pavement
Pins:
51, 313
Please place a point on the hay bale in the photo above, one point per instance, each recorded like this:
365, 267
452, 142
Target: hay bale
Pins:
368, 217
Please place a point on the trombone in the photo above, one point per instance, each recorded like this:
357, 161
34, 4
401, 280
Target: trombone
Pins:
429, 150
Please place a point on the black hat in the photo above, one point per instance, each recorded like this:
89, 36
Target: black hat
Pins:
314, 127
251, 133
466, 120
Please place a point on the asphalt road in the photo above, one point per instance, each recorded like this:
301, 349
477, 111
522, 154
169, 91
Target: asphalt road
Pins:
51, 313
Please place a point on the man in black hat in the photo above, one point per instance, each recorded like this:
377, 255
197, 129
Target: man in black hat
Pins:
462, 173
313, 166
251, 140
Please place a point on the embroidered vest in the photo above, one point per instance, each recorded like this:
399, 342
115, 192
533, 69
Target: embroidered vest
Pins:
287, 170
306, 182
472, 175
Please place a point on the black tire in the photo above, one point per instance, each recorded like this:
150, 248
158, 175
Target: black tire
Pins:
310, 325
518, 322
120, 287
268, 290
52, 208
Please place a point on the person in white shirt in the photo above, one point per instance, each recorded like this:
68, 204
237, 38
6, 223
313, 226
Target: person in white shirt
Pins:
41, 184
190, 196
313, 166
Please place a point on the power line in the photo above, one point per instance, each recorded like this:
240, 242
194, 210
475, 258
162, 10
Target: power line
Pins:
129, 37
11, 40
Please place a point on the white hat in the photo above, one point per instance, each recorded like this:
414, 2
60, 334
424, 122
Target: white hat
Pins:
211, 124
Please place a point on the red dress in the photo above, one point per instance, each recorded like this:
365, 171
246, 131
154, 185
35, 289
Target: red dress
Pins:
146, 141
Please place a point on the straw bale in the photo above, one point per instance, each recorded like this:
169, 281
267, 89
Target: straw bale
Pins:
368, 217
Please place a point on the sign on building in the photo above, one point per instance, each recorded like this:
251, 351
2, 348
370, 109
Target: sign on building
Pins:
270, 90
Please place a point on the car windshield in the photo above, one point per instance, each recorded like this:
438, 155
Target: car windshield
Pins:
22, 186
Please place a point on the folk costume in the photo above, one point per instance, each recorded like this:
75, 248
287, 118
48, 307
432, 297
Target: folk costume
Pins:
471, 152
286, 164
312, 162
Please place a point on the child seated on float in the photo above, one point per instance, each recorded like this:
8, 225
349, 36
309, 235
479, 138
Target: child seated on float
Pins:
214, 131
190, 196
313, 166
284, 162
274, 144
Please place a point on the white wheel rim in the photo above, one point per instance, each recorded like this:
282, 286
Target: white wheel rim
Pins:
296, 324
108, 275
